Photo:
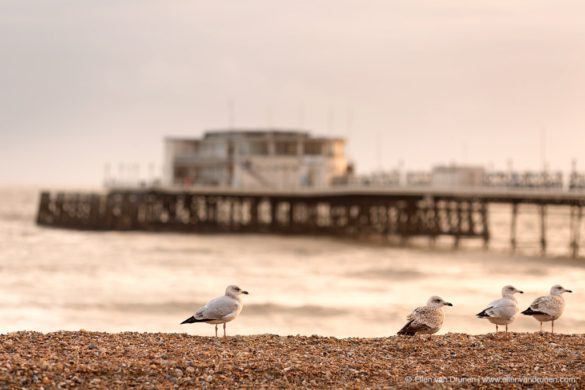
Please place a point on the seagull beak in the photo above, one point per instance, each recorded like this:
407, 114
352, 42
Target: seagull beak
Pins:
245, 292
448, 304
570, 291
521, 292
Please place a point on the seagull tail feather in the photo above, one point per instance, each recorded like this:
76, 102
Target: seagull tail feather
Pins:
406, 330
191, 320
530, 312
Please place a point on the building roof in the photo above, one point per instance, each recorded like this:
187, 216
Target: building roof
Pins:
256, 133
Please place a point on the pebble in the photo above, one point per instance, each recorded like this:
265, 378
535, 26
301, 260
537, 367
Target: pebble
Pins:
152, 360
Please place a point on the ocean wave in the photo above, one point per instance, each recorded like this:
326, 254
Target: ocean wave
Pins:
16, 216
303, 310
180, 250
184, 308
387, 273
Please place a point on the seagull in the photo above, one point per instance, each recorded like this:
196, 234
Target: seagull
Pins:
221, 309
549, 307
425, 319
502, 311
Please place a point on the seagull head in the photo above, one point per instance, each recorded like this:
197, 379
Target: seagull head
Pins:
557, 289
508, 291
436, 301
234, 291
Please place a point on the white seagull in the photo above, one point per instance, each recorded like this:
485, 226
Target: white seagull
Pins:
549, 307
502, 311
220, 310
426, 319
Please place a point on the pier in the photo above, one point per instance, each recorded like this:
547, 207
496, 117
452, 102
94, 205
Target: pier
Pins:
399, 213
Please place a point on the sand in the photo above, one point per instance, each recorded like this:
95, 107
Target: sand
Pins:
157, 360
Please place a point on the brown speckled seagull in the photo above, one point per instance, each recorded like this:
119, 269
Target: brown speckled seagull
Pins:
549, 307
426, 319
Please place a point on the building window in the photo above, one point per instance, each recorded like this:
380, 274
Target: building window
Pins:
313, 148
257, 148
285, 148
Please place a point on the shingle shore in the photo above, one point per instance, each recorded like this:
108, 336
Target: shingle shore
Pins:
158, 360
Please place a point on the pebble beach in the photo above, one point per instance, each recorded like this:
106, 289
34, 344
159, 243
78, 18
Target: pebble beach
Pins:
95, 360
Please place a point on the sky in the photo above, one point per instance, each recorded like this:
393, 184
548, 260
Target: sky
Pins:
410, 83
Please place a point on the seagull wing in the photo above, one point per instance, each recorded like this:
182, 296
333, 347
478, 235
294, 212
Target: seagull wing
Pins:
500, 308
543, 305
417, 313
217, 309
420, 320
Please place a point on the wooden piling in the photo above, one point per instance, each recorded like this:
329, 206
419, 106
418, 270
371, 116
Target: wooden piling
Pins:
291, 213
459, 225
513, 227
576, 217
578, 231
485, 233
470, 219
436, 222
44, 210
253, 223
543, 243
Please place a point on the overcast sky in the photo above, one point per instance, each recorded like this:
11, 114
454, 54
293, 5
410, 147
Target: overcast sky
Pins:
83, 83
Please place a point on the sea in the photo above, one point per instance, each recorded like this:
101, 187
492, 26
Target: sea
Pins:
54, 279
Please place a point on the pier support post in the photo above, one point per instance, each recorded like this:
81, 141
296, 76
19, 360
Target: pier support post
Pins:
403, 222
291, 214
253, 220
43, 213
459, 226
576, 217
211, 212
543, 230
436, 223
353, 213
513, 227
470, 220
273, 212
231, 213
485, 225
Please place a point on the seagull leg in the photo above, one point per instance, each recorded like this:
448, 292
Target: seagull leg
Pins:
540, 326
506, 328
215, 330
224, 329
496, 328
552, 327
